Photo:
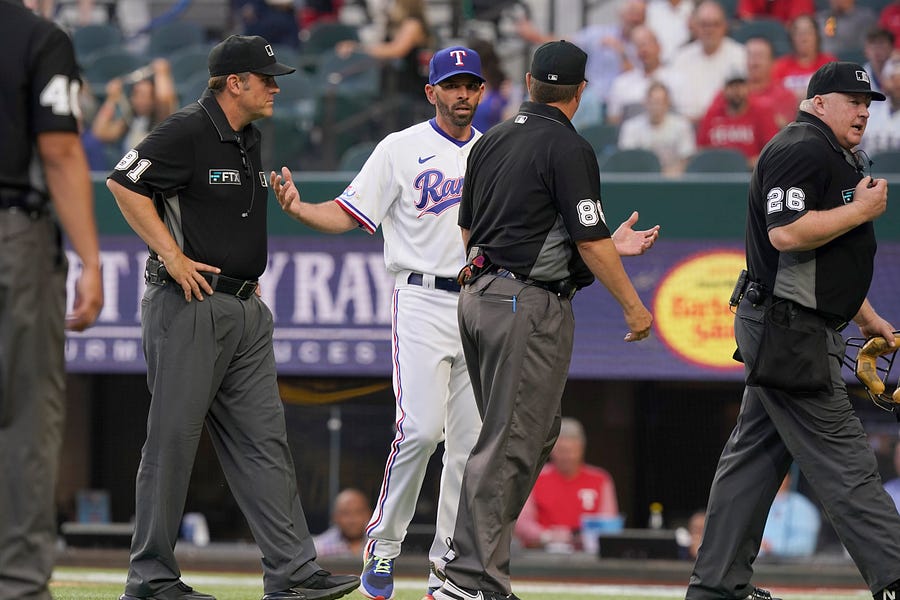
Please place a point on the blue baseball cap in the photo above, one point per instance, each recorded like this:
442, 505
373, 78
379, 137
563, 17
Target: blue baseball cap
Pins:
455, 60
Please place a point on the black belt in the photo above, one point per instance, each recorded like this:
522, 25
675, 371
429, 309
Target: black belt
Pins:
156, 274
448, 284
32, 202
564, 288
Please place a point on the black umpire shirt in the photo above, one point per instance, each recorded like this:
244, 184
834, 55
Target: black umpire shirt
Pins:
804, 168
38, 95
209, 181
532, 189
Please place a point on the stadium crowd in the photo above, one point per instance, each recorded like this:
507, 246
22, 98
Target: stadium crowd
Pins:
669, 80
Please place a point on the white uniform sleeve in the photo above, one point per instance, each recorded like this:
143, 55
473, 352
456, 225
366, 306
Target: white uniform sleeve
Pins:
374, 189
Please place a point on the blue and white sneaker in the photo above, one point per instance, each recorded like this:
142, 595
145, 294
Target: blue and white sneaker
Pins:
377, 579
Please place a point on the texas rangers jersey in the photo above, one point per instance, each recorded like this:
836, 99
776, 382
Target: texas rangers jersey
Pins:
426, 169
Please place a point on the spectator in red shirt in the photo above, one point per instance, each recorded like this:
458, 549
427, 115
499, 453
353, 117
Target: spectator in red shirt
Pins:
733, 121
890, 20
783, 10
794, 70
566, 489
763, 89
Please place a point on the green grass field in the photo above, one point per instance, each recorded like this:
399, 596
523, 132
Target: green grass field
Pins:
90, 584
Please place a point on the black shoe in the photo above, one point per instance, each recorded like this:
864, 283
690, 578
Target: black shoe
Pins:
321, 586
179, 591
760, 594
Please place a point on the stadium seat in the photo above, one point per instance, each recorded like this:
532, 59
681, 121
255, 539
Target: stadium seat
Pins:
357, 73
876, 5
854, 55
284, 141
169, 38
885, 162
189, 61
323, 36
109, 64
93, 38
603, 137
356, 155
630, 161
717, 160
191, 88
770, 29
299, 95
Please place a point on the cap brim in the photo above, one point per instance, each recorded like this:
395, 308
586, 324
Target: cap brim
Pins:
875, 95
275, 69
460, 72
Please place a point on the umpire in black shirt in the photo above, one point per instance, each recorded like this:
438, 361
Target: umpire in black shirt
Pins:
195, 191
42, 162
810, 250
535, 232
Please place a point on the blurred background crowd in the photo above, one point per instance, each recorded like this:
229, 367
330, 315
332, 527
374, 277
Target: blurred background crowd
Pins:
675, 86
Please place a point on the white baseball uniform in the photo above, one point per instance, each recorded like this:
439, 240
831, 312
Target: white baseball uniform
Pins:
411, 185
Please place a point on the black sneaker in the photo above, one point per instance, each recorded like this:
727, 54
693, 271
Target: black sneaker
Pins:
321, 586
179, 591
760, 594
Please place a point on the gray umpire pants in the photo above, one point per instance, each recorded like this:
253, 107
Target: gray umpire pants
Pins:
32, 400
518, 359
212, 362
824, 436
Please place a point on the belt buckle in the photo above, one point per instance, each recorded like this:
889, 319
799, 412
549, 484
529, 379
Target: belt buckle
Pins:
246, 290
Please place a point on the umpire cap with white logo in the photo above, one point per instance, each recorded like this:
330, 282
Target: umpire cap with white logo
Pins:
559, 63
455, 60
245, 53
841, 77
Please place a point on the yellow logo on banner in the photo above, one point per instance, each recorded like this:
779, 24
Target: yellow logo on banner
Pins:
691, 311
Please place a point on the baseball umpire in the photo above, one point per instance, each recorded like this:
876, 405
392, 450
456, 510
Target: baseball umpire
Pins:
810, 249
195, 191
42, 163
535, 232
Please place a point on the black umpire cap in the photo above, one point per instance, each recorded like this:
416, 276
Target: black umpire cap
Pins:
559, 63
245, 53
842, 77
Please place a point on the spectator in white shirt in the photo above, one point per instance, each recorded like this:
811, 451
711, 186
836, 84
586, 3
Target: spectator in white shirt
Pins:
629, 89
670, 20
706, 62
669, 135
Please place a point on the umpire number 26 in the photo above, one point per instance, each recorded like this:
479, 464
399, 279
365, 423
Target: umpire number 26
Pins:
777, 199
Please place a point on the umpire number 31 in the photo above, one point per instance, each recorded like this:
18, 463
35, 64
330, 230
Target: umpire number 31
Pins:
777, 199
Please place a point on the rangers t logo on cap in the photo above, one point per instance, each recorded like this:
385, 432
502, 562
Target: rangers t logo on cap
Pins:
449, 62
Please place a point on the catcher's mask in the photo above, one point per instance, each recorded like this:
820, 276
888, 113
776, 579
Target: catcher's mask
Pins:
886, 398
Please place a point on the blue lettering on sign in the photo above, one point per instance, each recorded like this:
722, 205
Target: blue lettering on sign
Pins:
438, 193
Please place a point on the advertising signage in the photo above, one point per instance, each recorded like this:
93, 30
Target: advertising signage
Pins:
332, 303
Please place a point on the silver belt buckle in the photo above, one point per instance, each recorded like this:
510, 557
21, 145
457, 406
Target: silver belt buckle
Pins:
246, 290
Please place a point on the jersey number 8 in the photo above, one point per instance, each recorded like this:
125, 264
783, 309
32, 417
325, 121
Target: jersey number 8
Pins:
589, 212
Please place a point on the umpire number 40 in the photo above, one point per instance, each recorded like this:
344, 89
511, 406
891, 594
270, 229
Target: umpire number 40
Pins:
777, 199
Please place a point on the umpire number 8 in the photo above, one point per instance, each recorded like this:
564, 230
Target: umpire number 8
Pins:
589, 213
